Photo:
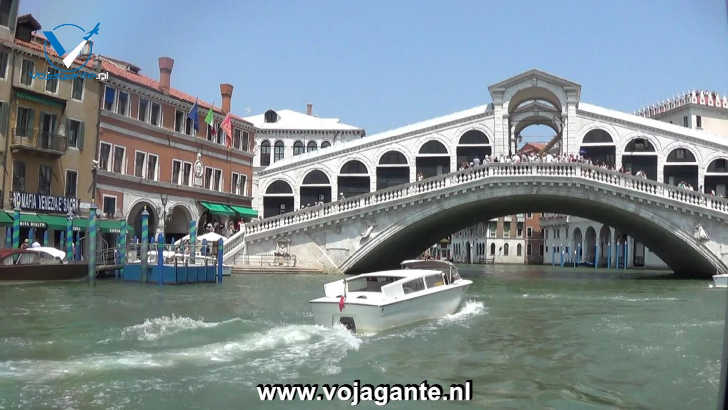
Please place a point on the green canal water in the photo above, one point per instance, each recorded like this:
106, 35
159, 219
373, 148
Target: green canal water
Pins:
528, 337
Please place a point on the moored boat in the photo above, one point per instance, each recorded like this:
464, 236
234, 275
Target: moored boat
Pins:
371, 302
39, 263
720, 281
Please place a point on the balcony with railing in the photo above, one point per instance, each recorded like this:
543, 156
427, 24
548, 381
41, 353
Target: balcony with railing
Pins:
38, 141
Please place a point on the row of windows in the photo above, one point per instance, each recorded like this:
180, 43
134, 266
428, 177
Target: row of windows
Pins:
47, 128
45, 176
27, 69
279, 150
112, 158
150, 112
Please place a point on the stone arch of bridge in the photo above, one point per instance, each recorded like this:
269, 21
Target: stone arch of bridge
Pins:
417, 229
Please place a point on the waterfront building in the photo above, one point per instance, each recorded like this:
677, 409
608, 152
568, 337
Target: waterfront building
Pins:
152, 157
284, 134
48, 126
499, 240
573, 238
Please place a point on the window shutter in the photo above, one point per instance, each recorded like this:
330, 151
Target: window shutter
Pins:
81, 132
29, 122
4, 118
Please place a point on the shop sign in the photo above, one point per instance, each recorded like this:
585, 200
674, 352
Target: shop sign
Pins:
28, 201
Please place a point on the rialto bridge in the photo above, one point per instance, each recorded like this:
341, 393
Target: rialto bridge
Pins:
402, 189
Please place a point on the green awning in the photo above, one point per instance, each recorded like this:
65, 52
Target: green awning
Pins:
217, 208
6, 218
80, 224
31, 220
54, 221
243, 211
40, 98
112, 226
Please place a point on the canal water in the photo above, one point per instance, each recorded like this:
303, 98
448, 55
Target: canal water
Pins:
528, 337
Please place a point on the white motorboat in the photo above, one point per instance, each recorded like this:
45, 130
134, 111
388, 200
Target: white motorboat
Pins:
420, 290
720, 281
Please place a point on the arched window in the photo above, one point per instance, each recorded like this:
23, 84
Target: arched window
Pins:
474, 137
312, 146
393, 158
681, 155
505, 250
271, 116
298, 148
265, 153
433, 147
518, 250
325, 144
718, 165
639, 145
316, 177
597, 136
354, 167
279, 187
278, 151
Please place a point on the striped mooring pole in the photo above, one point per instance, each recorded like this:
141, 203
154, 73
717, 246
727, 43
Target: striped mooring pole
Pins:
69, 239
45, 237
219, 260
16, 228
145, 243
122, 248
91, 239
193, 241
160, 257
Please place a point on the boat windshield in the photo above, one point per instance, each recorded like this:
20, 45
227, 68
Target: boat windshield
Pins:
370, 283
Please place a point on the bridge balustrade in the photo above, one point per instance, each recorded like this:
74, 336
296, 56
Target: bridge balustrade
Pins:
484, 171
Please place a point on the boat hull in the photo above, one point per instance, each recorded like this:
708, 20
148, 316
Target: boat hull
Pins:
720, 281
375, 318
43, 272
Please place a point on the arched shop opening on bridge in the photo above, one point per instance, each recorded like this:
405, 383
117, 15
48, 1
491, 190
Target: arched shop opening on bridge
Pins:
134, 219
681, 167
716, 177
315, 188
598, 147
640, 155
473, 144
278, 199
432, 159
353, 179
392, 170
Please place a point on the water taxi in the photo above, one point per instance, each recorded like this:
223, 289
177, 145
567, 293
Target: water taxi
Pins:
420, 290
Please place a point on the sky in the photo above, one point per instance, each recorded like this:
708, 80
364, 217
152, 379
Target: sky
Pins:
381, 65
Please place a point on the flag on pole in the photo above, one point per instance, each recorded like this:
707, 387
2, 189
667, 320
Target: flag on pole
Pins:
209, 119
227, 126
192, 115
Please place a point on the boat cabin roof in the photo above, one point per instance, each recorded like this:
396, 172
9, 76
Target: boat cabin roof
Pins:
399, 273
427, 264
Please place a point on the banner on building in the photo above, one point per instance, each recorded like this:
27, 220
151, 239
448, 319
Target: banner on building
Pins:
28, 201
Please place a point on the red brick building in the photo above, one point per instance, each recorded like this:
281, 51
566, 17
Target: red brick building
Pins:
150, 154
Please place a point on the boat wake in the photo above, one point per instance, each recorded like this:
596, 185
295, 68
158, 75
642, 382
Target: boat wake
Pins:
469, 308
281, 350
159, 327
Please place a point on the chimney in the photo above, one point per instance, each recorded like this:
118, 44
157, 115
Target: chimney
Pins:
309, 109
226, 91
165, 72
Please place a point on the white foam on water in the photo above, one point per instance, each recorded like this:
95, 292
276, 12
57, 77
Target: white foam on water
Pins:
156, 328
470, 308
282, 348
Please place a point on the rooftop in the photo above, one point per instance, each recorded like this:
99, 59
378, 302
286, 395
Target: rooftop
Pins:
294, 120
699, 97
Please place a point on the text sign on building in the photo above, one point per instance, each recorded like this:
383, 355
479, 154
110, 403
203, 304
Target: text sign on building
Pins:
28, 201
